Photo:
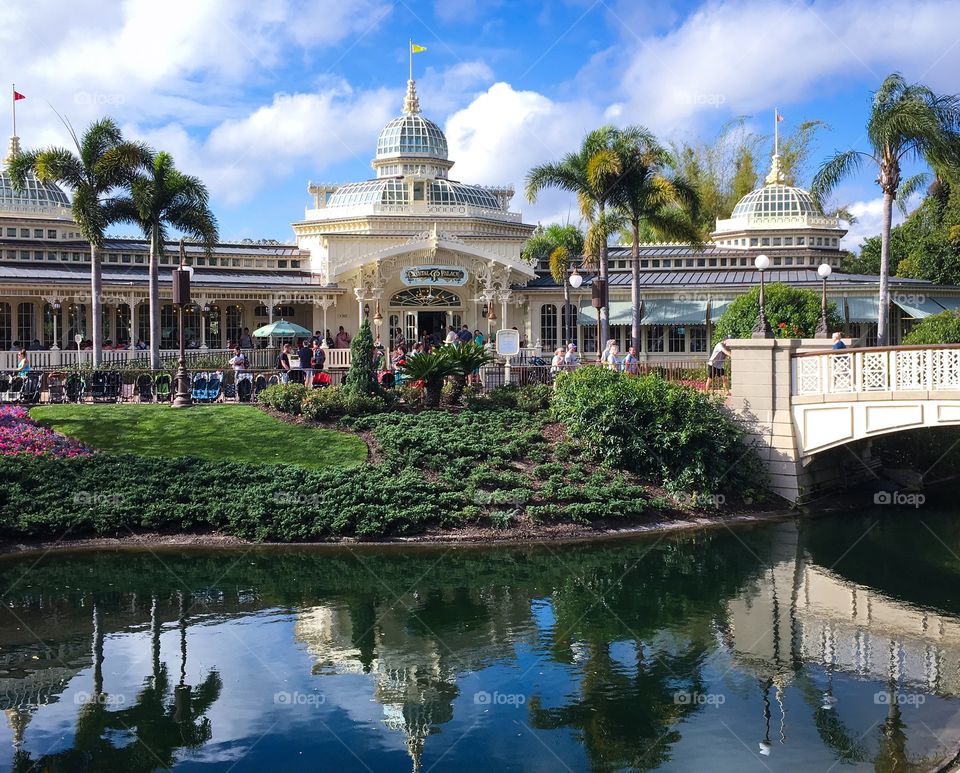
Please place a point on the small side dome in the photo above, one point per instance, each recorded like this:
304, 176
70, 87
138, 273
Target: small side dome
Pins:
775, 201
36, 196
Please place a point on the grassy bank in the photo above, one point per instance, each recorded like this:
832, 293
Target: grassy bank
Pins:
215, 432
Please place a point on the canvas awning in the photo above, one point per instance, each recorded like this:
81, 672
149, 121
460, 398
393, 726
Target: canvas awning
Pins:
863, 309
620, 313
951, 302
917, 306
674, 311
717, 307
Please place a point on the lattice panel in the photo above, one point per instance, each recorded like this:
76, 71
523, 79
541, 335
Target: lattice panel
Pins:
841, 373
911, 370
947, 369
874, 372
808, 376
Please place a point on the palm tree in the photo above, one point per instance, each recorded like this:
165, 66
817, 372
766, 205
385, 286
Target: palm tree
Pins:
103, 165
592, 174
162, 197
907, 122
648, 196
560, 245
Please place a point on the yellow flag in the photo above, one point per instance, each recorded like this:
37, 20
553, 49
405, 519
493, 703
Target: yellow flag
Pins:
417, 49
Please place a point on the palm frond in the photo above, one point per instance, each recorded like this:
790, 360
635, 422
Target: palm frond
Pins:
909, 187
834, 170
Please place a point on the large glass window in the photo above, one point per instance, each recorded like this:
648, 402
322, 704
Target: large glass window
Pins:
143, 322
26, 319
571, 328
698, 338
213, 327
548, 327
677, 340
234, 323
168, 327
76, 321
655, 338
122, 314
6, 329
47, 325
395, 331
588, 332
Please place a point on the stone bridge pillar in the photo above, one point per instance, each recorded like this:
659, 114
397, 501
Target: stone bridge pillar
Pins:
760, 398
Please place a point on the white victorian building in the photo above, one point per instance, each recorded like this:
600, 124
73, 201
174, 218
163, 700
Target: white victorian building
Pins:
414, 248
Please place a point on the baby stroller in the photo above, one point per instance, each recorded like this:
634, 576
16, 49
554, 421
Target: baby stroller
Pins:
55, 387
144, 388
244, 388
321, 379
162, 386
75, 387
259, 384
98, 386
113, 386
199, 392
15, 392
214, 386
230, 388
31, 388
387, 379
296, 376
4, 387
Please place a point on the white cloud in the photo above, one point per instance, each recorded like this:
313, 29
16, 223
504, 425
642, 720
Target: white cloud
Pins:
869, 216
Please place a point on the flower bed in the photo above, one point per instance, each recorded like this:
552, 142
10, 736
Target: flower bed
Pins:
19, 434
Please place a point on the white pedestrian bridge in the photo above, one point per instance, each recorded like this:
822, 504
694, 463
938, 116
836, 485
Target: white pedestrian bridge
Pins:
800, 398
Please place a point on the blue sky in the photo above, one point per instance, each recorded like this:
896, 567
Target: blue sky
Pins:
258, 98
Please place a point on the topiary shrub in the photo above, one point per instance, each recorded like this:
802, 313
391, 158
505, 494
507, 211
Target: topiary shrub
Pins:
792, 313
531, 398
937, 329
668, 433
286, 398
362, 376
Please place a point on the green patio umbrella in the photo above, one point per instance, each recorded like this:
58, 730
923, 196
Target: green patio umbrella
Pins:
281, 329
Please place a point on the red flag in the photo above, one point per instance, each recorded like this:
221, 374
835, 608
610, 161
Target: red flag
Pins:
779, 117
17, 95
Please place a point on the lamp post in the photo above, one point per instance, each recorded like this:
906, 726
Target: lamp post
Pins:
181, 298
762, 328
575, 280
823, 327
56, 313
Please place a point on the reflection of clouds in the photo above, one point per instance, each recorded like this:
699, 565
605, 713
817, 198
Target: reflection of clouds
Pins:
801, 610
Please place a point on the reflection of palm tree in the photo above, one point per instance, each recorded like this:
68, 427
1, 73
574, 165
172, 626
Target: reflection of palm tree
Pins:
158, 725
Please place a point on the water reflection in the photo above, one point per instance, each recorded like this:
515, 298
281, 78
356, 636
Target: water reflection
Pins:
709, 652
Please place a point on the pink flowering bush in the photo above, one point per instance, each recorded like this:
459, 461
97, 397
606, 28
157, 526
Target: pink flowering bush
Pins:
19, 434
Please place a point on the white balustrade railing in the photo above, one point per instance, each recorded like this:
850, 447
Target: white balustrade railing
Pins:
888, 369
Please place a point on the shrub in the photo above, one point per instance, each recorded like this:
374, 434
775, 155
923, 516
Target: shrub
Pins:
465, 359
430, 370
792, 313
286, 398
937, 329
660, 430
531, 398
334, 402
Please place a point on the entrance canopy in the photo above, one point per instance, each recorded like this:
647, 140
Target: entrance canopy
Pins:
917, 306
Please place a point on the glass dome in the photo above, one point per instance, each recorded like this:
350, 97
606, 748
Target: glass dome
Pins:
775, 201
451, 192
411, 135
370, 192
34, 196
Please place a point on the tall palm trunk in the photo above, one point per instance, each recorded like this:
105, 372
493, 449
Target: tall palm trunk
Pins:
604, 310
884, 311
635, 285
567, 311
154, 290
96, 306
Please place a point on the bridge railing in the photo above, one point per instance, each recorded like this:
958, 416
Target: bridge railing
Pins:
878, 369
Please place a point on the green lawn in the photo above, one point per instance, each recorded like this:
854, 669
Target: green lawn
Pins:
236, 432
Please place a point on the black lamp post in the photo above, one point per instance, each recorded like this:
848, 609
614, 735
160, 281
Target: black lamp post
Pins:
823, 327
181, 299
55, 313
762, 328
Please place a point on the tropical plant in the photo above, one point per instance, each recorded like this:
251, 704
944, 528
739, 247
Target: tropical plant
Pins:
562, 246
592, 174
162, 197
465, 359
104, 164
430, 370
907, 122
793, 313
943, 328
649, 195
362, 376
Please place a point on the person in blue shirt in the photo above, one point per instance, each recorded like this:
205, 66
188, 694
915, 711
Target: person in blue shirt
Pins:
838, 341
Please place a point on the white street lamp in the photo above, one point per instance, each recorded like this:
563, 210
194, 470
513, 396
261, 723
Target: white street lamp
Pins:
762, 328
823, 328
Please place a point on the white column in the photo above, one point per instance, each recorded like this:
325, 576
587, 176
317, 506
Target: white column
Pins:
270, 343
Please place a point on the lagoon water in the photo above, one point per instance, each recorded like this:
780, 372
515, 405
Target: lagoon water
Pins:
827, 644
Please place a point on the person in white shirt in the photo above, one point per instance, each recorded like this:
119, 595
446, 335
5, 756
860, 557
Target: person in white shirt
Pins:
716, 363
556, 364
570, 359
612, 362
630, 363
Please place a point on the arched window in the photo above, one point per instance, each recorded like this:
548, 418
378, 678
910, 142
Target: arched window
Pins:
26, 323
410, 327
76, 321
46, 326
213, 326
548, 326
426, 296
168, 327
396, 332
143, 322
6, 327
572, 328
122, 313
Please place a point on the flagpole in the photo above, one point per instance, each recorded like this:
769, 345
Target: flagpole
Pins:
13, 96
776, 133
410, 54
